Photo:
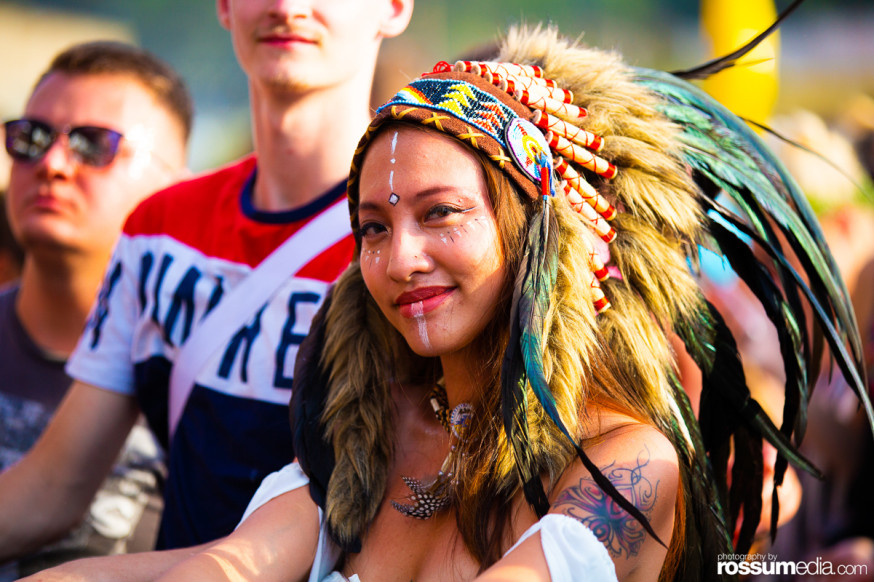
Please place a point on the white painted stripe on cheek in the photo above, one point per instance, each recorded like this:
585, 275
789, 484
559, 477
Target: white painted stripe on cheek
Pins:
418, 313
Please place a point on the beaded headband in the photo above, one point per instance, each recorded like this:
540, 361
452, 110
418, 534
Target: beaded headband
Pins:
514, 115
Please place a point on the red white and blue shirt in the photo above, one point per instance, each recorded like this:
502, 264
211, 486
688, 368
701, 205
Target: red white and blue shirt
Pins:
181, 251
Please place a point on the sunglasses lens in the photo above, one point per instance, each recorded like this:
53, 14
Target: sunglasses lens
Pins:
95, 146
28, 140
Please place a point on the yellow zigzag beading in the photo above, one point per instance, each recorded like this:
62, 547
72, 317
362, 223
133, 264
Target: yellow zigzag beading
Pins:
455, 100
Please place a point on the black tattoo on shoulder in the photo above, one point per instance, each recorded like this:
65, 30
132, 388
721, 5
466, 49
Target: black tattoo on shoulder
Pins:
613, 526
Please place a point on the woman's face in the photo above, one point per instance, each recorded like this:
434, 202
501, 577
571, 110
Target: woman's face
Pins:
430, 250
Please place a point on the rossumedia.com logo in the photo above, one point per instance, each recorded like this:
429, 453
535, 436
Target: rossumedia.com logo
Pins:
755, 564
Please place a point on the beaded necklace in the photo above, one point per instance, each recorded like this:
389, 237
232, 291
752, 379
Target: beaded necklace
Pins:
435, 495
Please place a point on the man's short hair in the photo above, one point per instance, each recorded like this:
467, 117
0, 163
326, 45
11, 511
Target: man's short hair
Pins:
118, 58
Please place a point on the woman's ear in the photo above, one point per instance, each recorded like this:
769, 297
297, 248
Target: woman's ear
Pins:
397, 18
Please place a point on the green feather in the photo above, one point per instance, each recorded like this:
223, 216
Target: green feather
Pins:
726, 151
534, 284
728, 159
524, 357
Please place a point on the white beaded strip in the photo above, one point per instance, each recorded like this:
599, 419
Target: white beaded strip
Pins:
597, 222
528, 85
599, 274
579, 136
600, 300
581, 156
567, 110
513, 84
589, 194
502, 69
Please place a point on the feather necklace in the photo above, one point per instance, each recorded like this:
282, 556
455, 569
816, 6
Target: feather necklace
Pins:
435, 495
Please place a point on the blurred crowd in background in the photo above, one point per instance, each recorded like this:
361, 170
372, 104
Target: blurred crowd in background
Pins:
813, 85
824, 56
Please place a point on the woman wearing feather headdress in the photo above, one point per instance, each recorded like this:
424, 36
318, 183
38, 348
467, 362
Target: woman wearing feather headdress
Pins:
490, 391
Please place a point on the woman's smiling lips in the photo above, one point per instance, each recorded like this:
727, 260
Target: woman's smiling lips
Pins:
422, 300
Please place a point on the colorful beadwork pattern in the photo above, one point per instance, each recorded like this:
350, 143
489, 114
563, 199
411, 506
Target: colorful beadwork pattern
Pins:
474, 113
461, 100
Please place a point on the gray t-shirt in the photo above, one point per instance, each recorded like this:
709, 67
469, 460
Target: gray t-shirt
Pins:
123, 516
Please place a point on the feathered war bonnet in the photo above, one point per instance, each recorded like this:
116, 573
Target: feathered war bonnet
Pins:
641, 156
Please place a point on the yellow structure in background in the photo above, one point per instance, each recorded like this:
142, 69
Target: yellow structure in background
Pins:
749, 89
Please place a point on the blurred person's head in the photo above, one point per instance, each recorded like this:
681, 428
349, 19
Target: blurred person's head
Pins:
106, 125
857, 122
832, 176
865, 147
299, 47
829, 172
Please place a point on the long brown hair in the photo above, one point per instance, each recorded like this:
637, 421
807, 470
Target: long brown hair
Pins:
621, 359
487, 479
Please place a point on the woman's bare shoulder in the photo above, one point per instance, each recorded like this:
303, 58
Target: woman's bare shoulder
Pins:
641, 464
619, 435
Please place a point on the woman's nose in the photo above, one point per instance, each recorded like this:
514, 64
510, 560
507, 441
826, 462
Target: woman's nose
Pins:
408, 255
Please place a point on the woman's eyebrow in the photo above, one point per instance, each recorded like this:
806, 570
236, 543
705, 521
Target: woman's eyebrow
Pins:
428, 192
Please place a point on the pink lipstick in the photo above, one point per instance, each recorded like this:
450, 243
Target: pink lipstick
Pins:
422, 300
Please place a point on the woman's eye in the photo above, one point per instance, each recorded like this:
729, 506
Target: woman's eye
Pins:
442, 211
369, 229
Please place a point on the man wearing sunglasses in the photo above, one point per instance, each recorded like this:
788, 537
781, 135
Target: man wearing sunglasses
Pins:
186, 268
105, 126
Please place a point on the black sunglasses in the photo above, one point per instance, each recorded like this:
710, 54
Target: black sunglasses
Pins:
28, 140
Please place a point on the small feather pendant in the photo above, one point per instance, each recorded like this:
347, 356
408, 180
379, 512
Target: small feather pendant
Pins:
425, 502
